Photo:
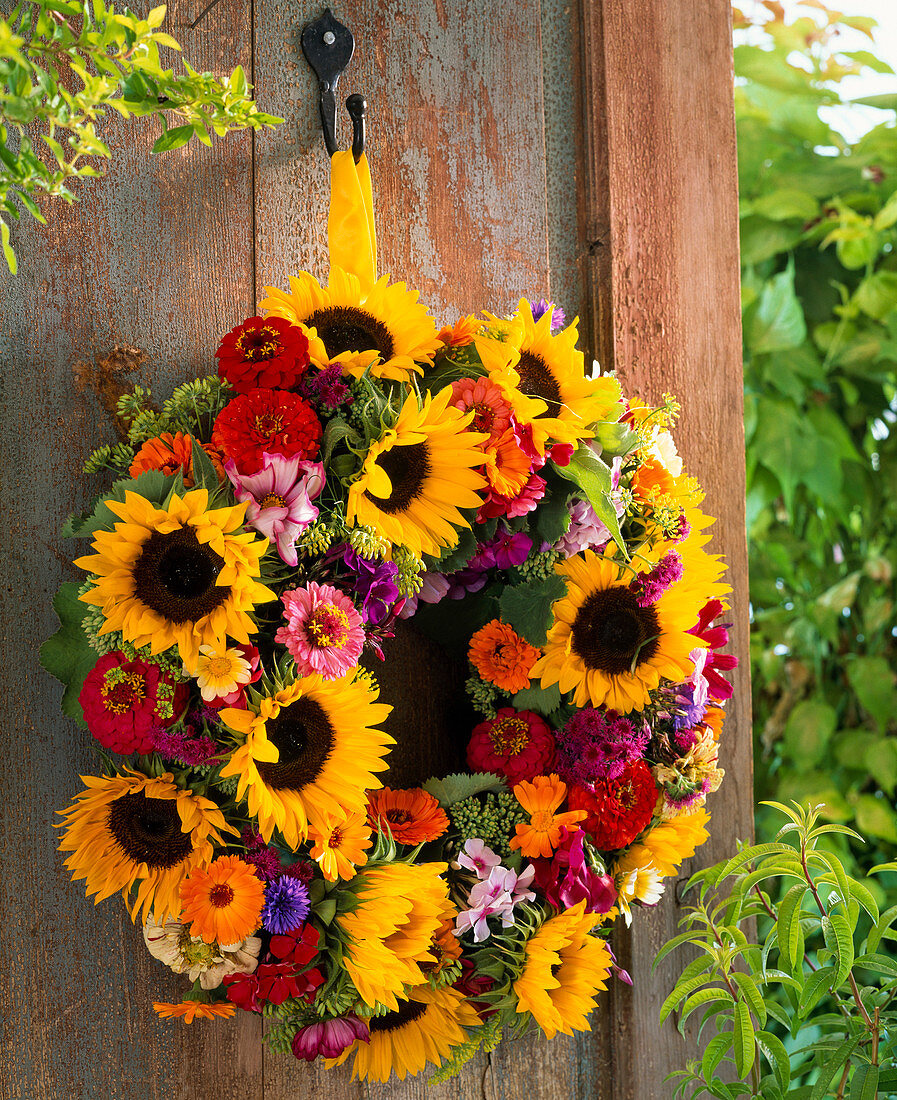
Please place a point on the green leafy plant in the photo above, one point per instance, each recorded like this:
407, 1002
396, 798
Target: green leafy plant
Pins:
819, 268
64, 65
805, 1008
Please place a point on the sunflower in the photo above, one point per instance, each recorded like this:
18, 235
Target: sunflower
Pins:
399, 908
126, 830
310, 751
422, 1029
543, 377
384, 328
223, 901
564, 967
179, 575
189, 1011
608, 649
416, 477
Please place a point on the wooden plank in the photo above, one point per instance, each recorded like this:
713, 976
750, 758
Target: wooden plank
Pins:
157, 255
660, 203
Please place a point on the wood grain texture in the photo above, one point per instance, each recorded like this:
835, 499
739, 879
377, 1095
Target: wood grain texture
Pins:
157, 255
661, 229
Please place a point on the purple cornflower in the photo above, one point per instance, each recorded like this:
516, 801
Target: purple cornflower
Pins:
287, 904
541, 307
649, 587
598, 745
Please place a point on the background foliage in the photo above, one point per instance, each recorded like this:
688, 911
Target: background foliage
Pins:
64, 65
819, 229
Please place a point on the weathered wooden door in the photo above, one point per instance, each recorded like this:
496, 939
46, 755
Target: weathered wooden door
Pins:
584, 151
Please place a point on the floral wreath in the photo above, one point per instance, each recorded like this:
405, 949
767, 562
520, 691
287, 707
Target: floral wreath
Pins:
350, 465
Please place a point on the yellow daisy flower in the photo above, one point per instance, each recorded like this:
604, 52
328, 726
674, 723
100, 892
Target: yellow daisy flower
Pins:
129, 831
564, 967
220, 673
384, 328
311, 750
637, 879
389, 932
423, 1029
543, 379
607, 649
418, 475
180, 575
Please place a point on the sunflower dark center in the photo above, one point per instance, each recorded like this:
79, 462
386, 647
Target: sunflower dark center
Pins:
612, 634
148, 830
536, 380
407, 469
345, 328
410, 1010
304, 738
175, 576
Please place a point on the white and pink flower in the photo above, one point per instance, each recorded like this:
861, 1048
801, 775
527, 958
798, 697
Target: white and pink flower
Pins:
279, 498
324, 631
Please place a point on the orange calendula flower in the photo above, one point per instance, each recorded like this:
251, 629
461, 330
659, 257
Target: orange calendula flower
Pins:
223, 902
502, 657
413, 816
339, 846
169, 453
189, 1011
542, 834
462, 333
508, 467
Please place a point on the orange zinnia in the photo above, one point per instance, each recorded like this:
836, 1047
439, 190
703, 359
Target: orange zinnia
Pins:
461, 334
190, 1010
540, 799
501, 656
508, 467
413, 816
339, 846
166, 452
223, 902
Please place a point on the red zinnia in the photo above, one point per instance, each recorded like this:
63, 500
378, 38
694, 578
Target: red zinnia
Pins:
515, 743
263, 352
619, 808
272, 421
123, 700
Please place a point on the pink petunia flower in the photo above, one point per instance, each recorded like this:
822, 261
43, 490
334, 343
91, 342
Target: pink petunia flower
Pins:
324, 632
279, 498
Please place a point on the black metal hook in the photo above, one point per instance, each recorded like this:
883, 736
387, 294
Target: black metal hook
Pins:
328, 47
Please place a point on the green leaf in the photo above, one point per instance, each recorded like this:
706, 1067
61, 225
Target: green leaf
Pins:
593, 476
817, 985
743, 1033
717, 1049
877, 294
527, 607
720, 997
173, 139
788, 924
773, 1050
153, 485
885, 102
876, 817
785, 203
864, 1085
553, 515
778, 322
881, 964
751, 995
615, 438
681, 991
541, 700
887, 216
8, 252
838, 936
205, 475
67, 655
872, 679
455, 788
833, 1066
808, 732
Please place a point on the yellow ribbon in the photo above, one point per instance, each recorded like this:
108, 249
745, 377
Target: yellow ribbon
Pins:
351, 237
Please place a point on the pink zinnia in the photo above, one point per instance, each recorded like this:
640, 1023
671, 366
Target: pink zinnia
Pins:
279, 498
324, 632
491, 413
